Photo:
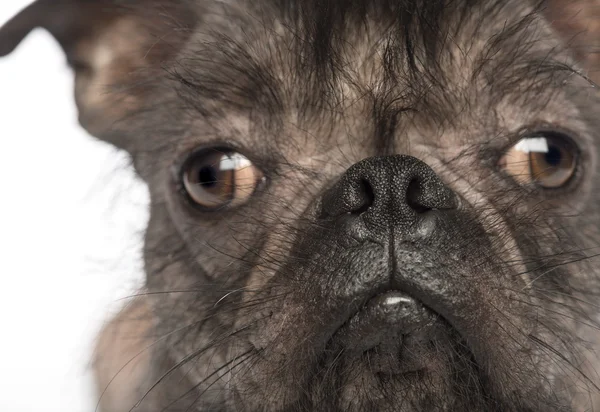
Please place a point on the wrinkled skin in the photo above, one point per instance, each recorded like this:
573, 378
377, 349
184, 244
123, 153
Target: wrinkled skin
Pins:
385, 261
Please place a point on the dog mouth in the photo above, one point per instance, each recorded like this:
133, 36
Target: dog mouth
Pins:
389, 313
386, 327
391, 332
426, 337
392, 353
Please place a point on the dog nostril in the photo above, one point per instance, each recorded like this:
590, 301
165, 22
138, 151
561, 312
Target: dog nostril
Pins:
414, 192
367, 198
385, 190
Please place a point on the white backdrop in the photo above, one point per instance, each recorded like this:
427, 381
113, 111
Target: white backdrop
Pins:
71, 217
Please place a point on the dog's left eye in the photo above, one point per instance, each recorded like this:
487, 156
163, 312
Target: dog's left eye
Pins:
548, 160
215, 178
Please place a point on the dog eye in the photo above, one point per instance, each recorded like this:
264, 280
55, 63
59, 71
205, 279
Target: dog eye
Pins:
216, 178
548, 160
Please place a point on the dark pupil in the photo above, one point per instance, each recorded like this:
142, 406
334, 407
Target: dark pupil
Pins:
554, 156
207, 176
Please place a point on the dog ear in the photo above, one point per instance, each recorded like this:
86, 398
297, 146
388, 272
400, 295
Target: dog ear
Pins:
112, 45
578, 21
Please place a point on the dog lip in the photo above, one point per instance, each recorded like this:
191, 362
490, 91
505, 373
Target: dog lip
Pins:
385, 317
395, 306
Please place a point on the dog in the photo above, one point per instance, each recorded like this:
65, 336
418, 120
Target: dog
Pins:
384, 205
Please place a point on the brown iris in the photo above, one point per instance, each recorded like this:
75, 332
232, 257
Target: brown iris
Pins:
547, 160
216, 178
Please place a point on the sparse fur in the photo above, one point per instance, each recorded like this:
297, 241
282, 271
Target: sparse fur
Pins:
237, 301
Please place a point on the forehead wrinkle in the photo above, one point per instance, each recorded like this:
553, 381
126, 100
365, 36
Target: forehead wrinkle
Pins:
404, 72
518, 60
226, 72
376, 73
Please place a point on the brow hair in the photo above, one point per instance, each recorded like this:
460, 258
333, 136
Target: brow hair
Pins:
417, 37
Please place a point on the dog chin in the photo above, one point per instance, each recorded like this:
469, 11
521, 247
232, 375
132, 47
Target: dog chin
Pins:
370, 363
395, 354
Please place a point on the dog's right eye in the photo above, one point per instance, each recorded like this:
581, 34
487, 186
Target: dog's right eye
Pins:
217, 178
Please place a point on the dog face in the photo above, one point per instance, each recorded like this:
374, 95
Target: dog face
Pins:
378, 205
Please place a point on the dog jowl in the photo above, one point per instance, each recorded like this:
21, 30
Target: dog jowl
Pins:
355, 205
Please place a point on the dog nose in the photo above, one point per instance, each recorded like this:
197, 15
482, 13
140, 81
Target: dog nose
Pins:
388, 191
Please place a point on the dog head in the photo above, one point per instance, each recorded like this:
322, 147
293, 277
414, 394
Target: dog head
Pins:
355, 205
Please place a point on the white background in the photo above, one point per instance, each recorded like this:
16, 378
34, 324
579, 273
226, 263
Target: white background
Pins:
71, 218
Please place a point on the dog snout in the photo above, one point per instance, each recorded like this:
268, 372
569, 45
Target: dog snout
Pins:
397, 203
388, 192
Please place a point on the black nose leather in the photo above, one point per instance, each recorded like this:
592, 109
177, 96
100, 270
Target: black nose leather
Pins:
388, 191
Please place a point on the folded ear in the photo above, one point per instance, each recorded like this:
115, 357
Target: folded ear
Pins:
112, 45
579, 22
